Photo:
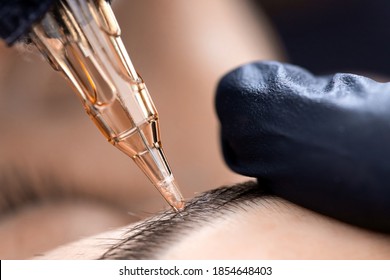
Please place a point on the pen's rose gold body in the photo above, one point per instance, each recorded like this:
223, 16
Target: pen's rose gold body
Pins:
81, 38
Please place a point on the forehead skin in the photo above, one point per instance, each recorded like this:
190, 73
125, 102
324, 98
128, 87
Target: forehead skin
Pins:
276, 229
265, 229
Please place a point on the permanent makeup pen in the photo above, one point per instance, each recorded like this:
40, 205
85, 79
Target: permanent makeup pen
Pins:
81, 39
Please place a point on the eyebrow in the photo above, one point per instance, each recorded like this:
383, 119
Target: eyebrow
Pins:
146, 239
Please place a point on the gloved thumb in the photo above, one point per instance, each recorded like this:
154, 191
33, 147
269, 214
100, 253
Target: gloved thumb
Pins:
320, 142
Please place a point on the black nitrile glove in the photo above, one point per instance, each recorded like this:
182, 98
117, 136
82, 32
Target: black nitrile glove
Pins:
320, 142
17, 17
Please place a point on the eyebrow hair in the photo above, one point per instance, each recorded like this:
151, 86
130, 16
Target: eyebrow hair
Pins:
147, 238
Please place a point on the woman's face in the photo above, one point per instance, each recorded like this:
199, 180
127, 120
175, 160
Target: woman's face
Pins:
61, 181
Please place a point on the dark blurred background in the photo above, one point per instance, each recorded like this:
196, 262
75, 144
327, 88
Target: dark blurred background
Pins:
333, 36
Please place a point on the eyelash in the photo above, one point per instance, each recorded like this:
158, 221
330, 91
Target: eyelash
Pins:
20, 188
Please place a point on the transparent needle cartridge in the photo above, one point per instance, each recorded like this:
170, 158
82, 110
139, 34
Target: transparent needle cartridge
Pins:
81, 38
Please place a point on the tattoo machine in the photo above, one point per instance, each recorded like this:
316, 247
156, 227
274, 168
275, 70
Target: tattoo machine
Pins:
81, 39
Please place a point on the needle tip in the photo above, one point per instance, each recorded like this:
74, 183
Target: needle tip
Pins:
171, 193
178, 206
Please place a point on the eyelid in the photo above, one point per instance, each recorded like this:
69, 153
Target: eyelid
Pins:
20, 188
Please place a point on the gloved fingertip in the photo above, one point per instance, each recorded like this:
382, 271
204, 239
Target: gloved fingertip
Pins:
320, 142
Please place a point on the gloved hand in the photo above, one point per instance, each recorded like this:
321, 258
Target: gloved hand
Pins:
319, 142
17, 17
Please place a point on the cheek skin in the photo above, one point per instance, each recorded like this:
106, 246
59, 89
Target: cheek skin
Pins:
279, 231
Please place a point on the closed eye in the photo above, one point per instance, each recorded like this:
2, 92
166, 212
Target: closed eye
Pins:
39, 212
